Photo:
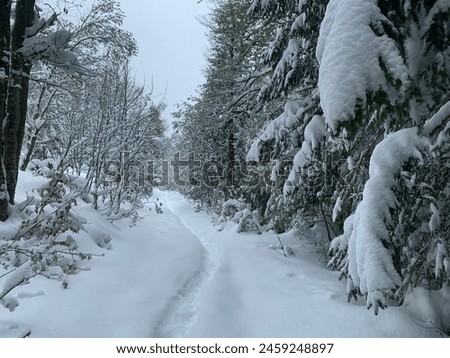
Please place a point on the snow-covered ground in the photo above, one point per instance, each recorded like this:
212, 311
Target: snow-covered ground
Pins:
175, 275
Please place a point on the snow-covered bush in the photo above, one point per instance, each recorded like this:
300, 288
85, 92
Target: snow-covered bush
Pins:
248, 221
238, 212
40, 244
229, 210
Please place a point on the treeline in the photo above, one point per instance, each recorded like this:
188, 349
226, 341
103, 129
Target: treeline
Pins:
342, 108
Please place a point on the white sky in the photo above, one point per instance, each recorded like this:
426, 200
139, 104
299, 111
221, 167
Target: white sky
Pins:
172, 46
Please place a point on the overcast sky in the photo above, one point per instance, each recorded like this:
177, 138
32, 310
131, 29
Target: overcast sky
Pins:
172, 45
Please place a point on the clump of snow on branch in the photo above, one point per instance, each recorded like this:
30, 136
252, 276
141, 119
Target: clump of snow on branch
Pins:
349, 53
277, 128
314, 134
288, 65
52, 48
437, 119
337, 208
18, 277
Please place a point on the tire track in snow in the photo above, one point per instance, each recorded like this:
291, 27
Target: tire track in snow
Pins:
182, 310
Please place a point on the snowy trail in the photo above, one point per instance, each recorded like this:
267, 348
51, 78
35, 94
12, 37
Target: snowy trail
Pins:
182, 311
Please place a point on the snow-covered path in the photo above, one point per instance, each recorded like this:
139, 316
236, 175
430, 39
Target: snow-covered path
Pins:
182, 310
174, 275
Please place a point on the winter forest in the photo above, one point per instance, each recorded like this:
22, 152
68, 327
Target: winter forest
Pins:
305, 184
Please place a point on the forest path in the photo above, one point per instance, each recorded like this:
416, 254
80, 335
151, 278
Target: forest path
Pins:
182, 309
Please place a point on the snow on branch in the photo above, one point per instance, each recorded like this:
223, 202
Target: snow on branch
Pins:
18, 277
370, 264
261, 5
52, 48
277, 128
315, 134
437, 120
349, 52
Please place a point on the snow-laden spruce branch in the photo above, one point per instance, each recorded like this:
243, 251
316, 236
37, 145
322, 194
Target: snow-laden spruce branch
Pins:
370, 264
442, 116
350, 56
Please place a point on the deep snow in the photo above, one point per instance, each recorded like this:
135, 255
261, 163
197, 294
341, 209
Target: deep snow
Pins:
175, 275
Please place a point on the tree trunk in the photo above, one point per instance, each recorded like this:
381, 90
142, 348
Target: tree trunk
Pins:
17, 96
30, 150
14, 82
5, 10
230, 167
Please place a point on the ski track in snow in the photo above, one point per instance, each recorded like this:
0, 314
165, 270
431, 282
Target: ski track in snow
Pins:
182, 310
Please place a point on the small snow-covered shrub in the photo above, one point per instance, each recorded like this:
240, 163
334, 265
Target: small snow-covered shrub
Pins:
40, 245
248, 221
231, 207
237, 211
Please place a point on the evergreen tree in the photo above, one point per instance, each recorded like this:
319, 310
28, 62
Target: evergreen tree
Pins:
384, 243
380, 72
216, 125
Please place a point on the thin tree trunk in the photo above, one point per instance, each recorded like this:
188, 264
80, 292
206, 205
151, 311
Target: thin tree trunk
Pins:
231, 159
38, 114
5, 9
30, 150
23, 109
